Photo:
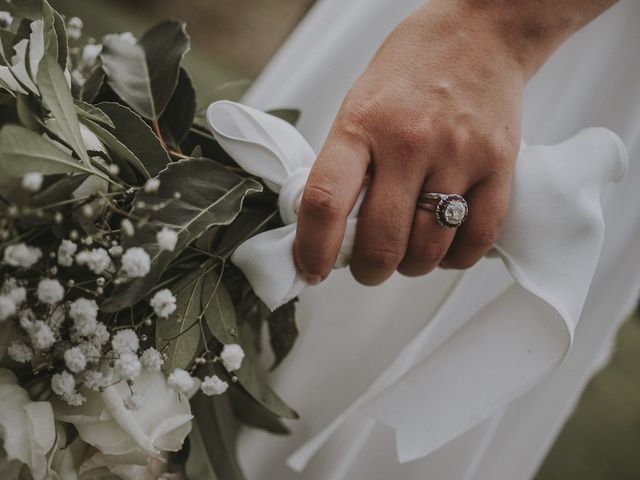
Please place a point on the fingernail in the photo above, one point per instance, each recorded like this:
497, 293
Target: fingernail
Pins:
312, 279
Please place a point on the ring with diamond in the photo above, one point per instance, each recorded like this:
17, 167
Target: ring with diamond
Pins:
450, 210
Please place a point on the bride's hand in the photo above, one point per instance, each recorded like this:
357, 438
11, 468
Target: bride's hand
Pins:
437, 110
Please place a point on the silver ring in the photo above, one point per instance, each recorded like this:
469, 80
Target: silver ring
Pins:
451, 210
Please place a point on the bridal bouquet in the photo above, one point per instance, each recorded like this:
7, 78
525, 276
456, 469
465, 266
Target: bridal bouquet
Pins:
128, 338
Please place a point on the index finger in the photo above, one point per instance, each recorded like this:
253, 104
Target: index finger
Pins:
329, 196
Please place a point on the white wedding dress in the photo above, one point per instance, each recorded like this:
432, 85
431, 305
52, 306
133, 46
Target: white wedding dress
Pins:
349, 334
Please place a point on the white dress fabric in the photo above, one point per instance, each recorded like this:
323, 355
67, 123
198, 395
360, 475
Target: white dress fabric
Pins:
353, 338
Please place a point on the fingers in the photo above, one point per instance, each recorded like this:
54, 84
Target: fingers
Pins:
488, 203
429, 241
384, 225
329, 196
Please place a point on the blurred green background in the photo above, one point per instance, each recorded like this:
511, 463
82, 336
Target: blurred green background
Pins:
233, 40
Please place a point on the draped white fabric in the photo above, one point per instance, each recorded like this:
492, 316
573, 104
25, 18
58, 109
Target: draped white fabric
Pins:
401, 353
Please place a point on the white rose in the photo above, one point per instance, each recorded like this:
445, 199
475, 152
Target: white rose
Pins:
27, 430
134, 466
158, 426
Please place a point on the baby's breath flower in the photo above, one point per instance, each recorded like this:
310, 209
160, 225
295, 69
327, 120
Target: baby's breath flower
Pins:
115, 251
42, 337
127, 227
125, 341
89, 350
232, 356
151, 359
180, 380
97, 260
100, 335
6, 19
75, 399
136, 262
127, 366
66, 251
50, 291
21, 255
213, 385
152, 185
135, 401
32, 181
167, 239
75, 360
18, 295
63, 384
90, 54
163, 303
8, 307
84, 312
20, 352
94, 379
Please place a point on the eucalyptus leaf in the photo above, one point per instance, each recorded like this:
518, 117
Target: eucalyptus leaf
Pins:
249, 223
90, 112
138, 137
177, 118
215, 418
219, 312
145, 74
23, 151
209, 195
179, 336
254, 414
92, 85
60, 190
57, 97
28, 112
254, 380
283, 331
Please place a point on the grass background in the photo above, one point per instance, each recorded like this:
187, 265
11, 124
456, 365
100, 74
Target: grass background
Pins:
233, 40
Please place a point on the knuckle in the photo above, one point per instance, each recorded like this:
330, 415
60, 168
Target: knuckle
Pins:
499, 148
459, 139
321, 202
382, 259
411, 139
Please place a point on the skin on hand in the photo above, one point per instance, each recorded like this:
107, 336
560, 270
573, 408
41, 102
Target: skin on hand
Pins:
437, 110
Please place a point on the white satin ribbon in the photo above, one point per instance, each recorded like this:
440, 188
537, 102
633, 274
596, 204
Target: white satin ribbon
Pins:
476, 354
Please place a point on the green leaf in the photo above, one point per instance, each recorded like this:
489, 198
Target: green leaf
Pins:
283, 331
287, 114
249, 223
177, 118
57, 97
254, 380
179, 336
58, 191
23, 151
252, 413
93, 113
28, 112
215, 418
219, 312
62, 42
209, 195
198, 463
145, 74
91, 87
138, 137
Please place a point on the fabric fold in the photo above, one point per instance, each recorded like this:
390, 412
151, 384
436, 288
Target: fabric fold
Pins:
475, 355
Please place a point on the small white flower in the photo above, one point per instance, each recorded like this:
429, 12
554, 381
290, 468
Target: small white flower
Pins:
90, 54
20, 352
163, 303
97, 260
50, 291
75, 399
74, 28
213, 385
152, 185
115, 251
8, 307
151, 359
84, 312
180, 380
232, 356
127, 227
125, 341
89, 350
100, 335
6, 19
167, 239
66, 251
136, 262
75, 360
32, 181
135, 401
42, 337
127, 366
94, 380
18, 295
125, 37
21, 255
75, 22
63, 384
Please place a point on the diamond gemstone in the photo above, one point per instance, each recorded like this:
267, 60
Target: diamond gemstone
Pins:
455, 212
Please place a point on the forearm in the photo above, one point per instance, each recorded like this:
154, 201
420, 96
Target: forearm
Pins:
530, 29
